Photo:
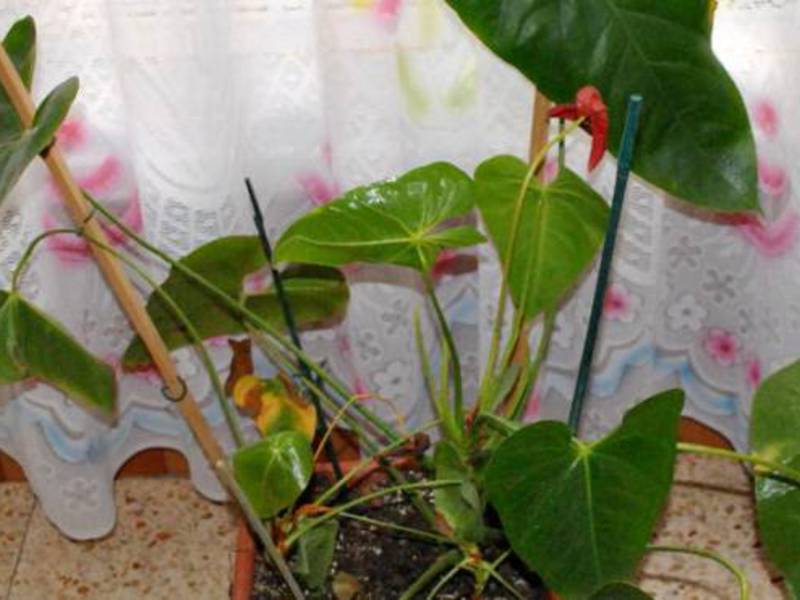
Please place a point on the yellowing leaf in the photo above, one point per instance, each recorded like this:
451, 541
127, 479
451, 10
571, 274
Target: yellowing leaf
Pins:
276, 406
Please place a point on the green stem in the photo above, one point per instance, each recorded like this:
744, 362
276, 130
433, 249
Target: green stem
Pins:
301, 530
29, 250
519, 204
741, 578
239, 309
425, 363
492, 568
774, 467
548, 327
455, 361
444, 580
419, 533
440, 564
496, 424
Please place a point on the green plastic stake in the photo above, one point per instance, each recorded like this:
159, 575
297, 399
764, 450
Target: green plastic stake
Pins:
623, 174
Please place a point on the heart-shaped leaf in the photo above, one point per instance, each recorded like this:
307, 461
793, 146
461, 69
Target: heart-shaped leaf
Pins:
274, 472
775, 436
34, 346
316, 295
399, 221
460, 506
581, 514
315, 550
18, 152
20, 45
562, 227
695, 139
620, 591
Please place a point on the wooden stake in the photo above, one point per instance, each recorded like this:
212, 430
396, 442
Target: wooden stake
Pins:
540, 128
127, 296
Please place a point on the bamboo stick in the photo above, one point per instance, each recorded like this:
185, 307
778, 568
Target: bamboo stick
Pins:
539, 125
127, 296
540, 128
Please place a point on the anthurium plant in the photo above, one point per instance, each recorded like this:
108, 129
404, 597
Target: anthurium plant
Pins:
637, 75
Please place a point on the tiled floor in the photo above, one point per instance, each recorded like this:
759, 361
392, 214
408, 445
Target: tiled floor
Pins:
171, 544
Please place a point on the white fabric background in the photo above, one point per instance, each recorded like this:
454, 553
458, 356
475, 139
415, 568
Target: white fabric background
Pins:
312, 97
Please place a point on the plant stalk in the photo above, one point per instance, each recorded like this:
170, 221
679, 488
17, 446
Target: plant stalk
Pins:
771, 466
418, 533
624, 164
455, 361
448, 559
741, 578
22, 264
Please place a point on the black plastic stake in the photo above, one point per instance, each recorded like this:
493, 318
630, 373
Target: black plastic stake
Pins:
291, 325
623, 173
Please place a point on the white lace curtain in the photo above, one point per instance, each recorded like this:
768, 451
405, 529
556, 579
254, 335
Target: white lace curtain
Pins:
180, 99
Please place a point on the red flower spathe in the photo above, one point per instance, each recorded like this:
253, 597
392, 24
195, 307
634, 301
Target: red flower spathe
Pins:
588, 105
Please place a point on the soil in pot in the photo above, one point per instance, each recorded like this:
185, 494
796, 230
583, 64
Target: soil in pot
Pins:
385, 563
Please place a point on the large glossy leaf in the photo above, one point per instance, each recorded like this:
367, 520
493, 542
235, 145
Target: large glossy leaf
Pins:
399, 222
315, 294
561, 229
34, 346
274, 472
581, 514
695, 139
460, 506
18, 152
775, 435
20, 45
620, 591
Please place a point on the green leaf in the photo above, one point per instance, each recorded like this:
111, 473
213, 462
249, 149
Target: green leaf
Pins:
562, 226
581, 514
460, 506
35, 346
399, 221
274, 472
316, 294
620, 591
20, 45
315, 550
695, 139
775, 436
18, 152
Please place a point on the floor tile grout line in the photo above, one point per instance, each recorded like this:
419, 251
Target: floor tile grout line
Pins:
24, 540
